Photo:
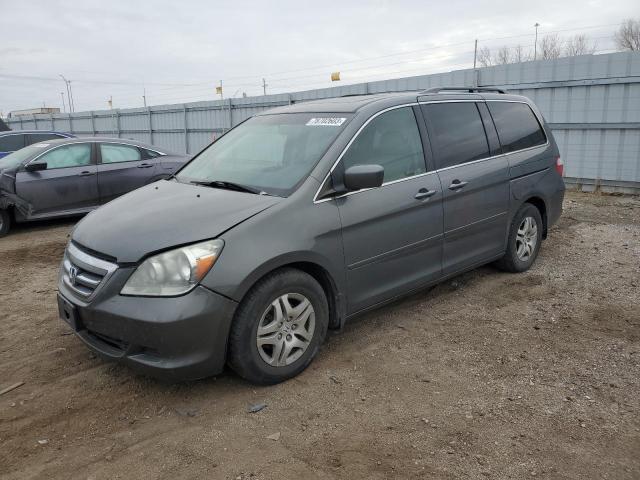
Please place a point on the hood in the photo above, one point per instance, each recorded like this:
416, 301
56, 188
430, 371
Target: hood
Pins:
163, 215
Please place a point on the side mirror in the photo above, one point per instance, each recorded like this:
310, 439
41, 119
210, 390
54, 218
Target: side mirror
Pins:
36, 166
363, 176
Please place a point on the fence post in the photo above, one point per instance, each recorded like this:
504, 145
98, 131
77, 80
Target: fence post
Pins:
150, 126
186, 131
70, 123
53, 126
118, 121
230, 115
35, 122
93, 124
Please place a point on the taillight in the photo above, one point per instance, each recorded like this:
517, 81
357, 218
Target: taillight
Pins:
559, 166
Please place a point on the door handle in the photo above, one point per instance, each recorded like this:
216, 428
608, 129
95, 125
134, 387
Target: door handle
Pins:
424, 193
145, 165
457, 185
86, 173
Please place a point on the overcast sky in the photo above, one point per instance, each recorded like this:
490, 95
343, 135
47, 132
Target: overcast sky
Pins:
177, 51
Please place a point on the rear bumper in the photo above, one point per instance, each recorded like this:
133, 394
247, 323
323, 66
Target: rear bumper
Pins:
173, 339
554, 205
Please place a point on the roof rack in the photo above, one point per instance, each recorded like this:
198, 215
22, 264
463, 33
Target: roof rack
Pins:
463, 89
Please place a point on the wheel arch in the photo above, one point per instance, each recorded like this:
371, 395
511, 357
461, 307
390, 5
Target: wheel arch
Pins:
541, 205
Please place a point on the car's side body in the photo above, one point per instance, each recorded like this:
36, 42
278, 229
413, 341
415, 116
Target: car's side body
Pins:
13, 140
81, 174
426, 223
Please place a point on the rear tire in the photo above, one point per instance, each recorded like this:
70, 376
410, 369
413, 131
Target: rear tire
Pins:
5, 222
278, 327
525, 238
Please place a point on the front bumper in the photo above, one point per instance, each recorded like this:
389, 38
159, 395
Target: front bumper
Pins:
170, 338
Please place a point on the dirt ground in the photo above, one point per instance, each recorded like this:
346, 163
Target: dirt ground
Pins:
490, 375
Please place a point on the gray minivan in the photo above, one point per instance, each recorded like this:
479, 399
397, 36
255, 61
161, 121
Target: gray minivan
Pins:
303, 217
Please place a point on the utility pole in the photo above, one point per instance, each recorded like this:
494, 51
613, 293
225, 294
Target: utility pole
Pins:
221, 94
110, 102
535, 44
67, 84
64, 107
475, 54
73, 103
264, 86
144, 97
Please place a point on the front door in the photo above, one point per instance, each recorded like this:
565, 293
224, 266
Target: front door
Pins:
68, 185
475, 182
121, 169
392, 235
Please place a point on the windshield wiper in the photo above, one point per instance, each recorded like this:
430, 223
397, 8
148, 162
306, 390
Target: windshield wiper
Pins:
238, 187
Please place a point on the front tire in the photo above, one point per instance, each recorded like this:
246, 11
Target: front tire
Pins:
5, 222
278, 327
525, 238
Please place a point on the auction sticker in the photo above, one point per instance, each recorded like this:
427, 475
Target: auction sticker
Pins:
40, 145
326, 122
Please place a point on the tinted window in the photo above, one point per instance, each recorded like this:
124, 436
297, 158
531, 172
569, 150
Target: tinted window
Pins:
150, 153
75, 155
11, 143
392, 140
458, 133
41, 137
112, 153
517, 126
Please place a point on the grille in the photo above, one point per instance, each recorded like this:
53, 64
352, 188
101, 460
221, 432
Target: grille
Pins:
84, 274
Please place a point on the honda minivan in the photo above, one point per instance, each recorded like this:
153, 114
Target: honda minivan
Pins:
303, 217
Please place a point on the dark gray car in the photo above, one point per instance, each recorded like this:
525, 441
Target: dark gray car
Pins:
303, 217
76, 175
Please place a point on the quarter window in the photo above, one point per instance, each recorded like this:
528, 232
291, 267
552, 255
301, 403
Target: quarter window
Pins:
11, 143
391, 140
41, 137
112, 153
76, 155
517, 126
457, 131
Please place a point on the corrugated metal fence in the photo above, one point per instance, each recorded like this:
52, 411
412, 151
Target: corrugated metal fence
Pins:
592, 103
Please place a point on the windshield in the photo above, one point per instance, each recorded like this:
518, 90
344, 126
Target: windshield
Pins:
269, 153
18, 157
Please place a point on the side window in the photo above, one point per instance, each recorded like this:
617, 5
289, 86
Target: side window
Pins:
150, 153
457, 131
75, 155
41, 137
114, 153
392, 140
517, 126
11, 143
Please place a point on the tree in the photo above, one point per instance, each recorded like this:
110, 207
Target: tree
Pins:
579, 45
519, 55
628, 35
550, 47
503, 56
484, 57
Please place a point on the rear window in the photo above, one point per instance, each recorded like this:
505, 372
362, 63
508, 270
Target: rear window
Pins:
41, 137
11, 143
517, 126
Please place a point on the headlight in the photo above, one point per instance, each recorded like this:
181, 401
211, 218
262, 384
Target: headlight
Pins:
174, 272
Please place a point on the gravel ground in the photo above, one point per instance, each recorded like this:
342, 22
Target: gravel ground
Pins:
490, 375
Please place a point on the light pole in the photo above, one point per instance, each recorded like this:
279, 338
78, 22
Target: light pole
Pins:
535, 44
64, 107
69, 95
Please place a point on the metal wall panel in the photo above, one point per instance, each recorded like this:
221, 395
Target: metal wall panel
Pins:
592, 103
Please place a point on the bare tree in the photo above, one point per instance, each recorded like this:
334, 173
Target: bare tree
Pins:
503, 56
519, 55
484, 57
579, 45
550, 47
628, 35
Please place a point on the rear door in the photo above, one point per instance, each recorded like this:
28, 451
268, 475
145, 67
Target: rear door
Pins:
121, 169
475, 182
68, 185
10, 143
392, 235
